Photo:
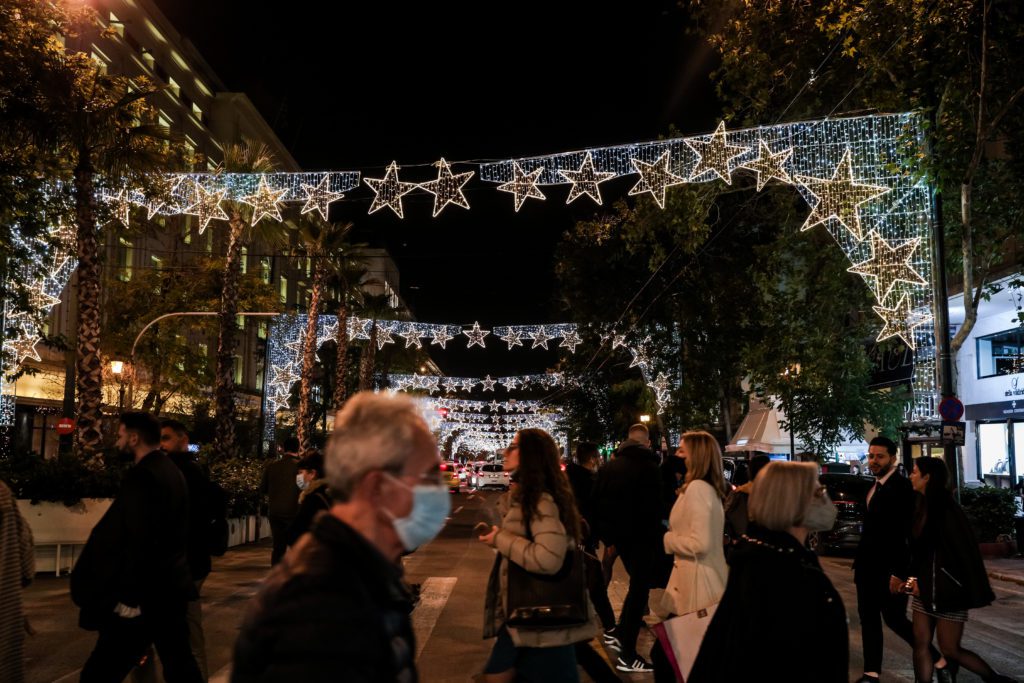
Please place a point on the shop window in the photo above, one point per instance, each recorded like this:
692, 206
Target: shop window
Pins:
994, 449
1001, 354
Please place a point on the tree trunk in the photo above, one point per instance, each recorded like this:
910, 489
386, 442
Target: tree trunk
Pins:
723, 398
90, 366
369, 355
224, 379
304, 420
341, 359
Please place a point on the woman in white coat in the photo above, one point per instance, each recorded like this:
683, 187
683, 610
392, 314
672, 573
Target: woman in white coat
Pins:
695, 537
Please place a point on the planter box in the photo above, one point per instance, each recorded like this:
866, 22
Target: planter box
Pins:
248, 529
998, 549
60, 531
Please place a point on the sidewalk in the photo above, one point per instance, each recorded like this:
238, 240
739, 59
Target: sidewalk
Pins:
1006, 569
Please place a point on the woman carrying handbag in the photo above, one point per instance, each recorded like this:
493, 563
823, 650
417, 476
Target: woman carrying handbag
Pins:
695, 539
539, 533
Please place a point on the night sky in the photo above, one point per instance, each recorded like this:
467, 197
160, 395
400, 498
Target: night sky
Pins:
354, 89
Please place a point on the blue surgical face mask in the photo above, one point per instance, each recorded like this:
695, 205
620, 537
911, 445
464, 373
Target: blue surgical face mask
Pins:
430, 508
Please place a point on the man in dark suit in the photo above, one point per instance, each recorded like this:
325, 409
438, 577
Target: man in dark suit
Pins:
882, 562
132, 581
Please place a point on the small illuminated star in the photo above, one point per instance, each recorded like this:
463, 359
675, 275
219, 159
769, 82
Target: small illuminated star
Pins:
715, 155
513, 337
661, 384
384, 335
900, 321
523, 185
655, 178
359, 328
264, 202
889, 265
447, 189
440, 336
319, 197
585, 180
207, 206
283, 376
120, 206
839, 197
768, 165
540, 338
618, 340
412, 338
24, 347
476, 336
570, 341
488, 383
389, 191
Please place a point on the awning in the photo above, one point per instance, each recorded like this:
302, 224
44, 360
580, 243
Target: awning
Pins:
760, 431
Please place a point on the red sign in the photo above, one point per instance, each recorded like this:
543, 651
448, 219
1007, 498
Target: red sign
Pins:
951, 409
65, 426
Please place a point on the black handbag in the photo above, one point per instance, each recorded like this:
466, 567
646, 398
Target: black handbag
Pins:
539, 601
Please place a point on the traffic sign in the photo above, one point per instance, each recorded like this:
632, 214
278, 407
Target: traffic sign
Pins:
65, 426
951, 409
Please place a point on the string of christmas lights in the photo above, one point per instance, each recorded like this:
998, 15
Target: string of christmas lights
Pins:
453, 384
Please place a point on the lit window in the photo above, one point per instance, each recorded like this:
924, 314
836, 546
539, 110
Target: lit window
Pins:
240, 321
282, 289
243, 260
197, 112
116, 24
238, 370
173, 86
265, 270
186, 232
261, 331
1001, 354
158, 263
127, 256
209, 241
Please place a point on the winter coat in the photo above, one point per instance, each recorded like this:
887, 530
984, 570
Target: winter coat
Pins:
334, 609
17, 568
199, 514
737, 516
628, 501
136, 553
315, 499
582, 482
545, 554
278, 484
694, 537
947, 562
780, 618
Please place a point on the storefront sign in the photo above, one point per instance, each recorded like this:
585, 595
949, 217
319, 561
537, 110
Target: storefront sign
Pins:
1015, 388
954, 433
1001, 410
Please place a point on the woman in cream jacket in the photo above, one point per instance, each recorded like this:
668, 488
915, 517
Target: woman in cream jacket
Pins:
696, 530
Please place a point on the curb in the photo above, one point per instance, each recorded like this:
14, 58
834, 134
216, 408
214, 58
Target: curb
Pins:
1012, 578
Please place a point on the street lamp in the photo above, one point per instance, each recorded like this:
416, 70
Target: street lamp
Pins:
117, 368
790, 374
645, 419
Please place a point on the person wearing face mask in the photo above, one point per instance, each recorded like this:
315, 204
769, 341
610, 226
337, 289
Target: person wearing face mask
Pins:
777, 593
314, 495
335, 607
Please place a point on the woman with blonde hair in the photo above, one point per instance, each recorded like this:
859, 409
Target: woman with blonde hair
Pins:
777, 590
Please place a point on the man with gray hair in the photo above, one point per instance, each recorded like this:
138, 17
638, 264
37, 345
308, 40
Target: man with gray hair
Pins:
334, 609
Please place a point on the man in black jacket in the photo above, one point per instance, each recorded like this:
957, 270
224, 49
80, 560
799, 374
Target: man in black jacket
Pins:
882, 562
335, 608
132, 580
282, 494
628, 514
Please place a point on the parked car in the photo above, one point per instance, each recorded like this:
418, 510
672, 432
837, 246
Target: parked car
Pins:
492, 476
450, 475
849, 492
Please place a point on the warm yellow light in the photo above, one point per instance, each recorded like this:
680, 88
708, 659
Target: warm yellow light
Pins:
116, 366
645, 418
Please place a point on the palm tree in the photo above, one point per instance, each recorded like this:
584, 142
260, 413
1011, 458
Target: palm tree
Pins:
320, 241
349, 271
249, 157
376, 307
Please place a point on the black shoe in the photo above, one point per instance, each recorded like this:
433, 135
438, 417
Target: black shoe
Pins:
946, 674
611, 640
634, 665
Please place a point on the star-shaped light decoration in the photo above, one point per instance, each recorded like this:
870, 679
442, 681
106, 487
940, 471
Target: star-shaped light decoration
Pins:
618, 340
439, 335
511, 383
165, 189
412, 338
359, 328
715, 155
206, 206
319, 197
330, 333
24, 346
494, 405
384, 335
655, 178
279, 401
513, 338
283, 376
120, 206
468, 384
660, 384
447, 189
900, 322
889, 265
389, 191
488, 383
264, 202
585, 180
540, 338
449, 385
839, 197
298, 345
570, 340
431, 385
523, 185
639, 358
768, 165
476, 336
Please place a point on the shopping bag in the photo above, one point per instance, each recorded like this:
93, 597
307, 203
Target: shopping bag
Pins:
680, 638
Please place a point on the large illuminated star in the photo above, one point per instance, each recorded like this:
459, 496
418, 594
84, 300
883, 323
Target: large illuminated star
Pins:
412, 338
839, 197
585, 180
715, 154
264, 202
206, 206
389, 191
523, 185
476, 336
283, 376
900, 322
439, 335
120, 206
488, 383
513, 337
447, 189
384, 336
319, 197
540, 338
655, 178
24, 346
768, 165
889, 265
570, 340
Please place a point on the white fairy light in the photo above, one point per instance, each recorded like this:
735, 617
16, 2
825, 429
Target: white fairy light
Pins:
523, 185
585, 180
715, 155
264, 202
839, 197
513, 337
769, 165
389, 191
319, 197
447, 188
655, 178
206, 206
540, 338
889, 265
476, 336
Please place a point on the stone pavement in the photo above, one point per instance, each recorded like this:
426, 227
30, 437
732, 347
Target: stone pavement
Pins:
1006, 569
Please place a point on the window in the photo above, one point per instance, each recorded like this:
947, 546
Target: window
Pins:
101, 61
1001, 354
148, 59
158, 263
126, 257
265, 269
261, 331
116, 24
186, 232
173, 86
240, 321
993, 449
238, 366
209, 240
197, 112
282, 289
243, 260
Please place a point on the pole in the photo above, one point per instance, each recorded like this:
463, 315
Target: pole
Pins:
792, 439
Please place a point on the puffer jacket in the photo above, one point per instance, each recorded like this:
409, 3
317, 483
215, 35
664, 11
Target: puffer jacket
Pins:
545, 554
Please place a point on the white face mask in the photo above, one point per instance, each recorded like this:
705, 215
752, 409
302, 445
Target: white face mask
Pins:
821, 514
300, 481
430, 508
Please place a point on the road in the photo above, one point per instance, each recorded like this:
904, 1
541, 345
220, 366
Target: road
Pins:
453, 571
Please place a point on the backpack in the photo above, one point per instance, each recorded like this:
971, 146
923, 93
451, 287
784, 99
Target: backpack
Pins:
217, 529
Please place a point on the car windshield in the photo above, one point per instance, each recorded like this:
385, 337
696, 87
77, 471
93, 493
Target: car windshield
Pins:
492, 468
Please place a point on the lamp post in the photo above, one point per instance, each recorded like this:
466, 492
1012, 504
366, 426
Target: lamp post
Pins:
789, 374
117, 368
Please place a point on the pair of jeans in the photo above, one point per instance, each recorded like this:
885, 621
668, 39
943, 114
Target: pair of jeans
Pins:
532, 664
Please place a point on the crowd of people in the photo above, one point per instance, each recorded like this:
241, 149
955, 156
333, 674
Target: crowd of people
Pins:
721, 567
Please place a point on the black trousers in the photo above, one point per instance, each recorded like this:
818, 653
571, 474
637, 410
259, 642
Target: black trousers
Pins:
598, 589
639, 560
279, 532
876, 604
123, 642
